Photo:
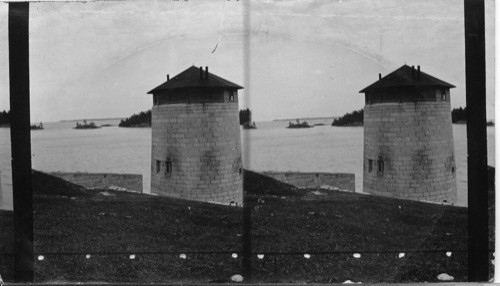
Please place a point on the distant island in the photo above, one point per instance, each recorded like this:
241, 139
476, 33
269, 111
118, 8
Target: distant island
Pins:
305, 118
459, 116
299, 124
37, 127
142, 119
5, 119
91, 119
86, 125
354, 118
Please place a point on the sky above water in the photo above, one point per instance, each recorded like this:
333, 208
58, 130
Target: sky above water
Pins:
295, 58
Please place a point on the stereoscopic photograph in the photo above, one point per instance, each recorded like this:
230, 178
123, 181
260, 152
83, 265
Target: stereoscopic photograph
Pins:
250, 141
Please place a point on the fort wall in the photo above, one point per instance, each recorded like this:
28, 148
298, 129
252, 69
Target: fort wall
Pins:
123, 182
342, 181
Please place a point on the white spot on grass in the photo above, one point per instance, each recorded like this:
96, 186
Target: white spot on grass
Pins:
317, 193
448, 253
445, 277
401, 255
182, 256
87, 256
132, 256
260, 256
356, 255
237, 278
347, 282
234, 255
307, 256
107, 194
40, 257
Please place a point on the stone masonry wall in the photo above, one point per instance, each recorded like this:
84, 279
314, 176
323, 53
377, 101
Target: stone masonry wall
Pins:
128, 182
414, 140
6, 200
202, 143
314, 180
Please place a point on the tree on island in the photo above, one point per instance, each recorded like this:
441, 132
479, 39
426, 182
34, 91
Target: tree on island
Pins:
354, 118
459, 115
245, 116
142, 119
246, 119
5, 118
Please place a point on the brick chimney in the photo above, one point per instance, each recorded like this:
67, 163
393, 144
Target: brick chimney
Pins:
206, 73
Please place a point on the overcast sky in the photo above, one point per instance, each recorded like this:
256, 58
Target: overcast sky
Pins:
306, 58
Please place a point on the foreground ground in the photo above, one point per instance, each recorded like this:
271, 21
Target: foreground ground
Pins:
89, 235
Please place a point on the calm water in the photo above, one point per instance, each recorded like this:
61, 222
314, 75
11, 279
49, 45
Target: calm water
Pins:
270, 147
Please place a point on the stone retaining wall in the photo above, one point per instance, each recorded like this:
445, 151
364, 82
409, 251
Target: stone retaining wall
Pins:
343, 181
122, 182
6, 188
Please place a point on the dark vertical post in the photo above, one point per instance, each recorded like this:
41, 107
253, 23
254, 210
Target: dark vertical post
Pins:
20, 141
247, 208
475, 80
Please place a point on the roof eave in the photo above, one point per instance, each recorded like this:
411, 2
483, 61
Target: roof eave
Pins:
156, 89
369, 88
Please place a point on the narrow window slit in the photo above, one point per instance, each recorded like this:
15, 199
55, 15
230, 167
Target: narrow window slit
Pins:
380, 166
158, 166
168, 166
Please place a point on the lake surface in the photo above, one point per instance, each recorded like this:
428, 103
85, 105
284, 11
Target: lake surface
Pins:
271, 147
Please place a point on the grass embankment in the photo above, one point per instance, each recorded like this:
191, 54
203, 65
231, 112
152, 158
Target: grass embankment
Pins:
286, 223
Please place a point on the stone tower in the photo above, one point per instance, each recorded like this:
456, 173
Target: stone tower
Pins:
408, 137
196, 145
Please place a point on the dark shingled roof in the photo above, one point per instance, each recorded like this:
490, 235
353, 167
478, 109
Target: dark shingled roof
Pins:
191, 78
403, 77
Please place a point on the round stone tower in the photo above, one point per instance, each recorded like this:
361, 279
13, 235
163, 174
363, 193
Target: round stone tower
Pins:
408, 137
196, 146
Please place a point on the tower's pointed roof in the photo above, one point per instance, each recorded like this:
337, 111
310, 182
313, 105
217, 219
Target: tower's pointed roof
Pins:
406, 76
191, 78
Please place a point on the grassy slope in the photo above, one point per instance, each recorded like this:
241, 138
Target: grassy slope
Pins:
70, 220
347, 222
